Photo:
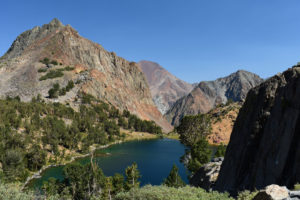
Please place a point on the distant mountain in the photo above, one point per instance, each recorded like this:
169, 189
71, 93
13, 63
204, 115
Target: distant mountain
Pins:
54, 53
165, 88
207, 94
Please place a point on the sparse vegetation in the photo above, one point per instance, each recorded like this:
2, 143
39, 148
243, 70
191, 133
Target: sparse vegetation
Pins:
246, 195
57, 91
54, 91
42, 70
56, 73
52, 74
68, 68
54, 62
45, 61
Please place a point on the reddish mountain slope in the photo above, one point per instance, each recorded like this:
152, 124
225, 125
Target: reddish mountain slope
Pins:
165, 88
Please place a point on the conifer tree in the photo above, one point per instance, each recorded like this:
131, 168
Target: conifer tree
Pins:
132, 176
174, 179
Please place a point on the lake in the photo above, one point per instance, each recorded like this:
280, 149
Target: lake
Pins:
154, 158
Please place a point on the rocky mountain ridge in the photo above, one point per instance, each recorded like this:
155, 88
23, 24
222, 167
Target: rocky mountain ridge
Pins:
94, 70
264, 145
165, 88
207, 94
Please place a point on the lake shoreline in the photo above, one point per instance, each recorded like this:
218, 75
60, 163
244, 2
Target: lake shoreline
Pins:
154, 157
37, 174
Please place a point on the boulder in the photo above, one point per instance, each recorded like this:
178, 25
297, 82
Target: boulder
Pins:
294, 195
273, 192
207, 175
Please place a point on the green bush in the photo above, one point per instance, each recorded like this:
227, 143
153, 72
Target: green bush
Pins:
54, 91
42, 70
221, 150
246, 195
169, 193
52, 74
54, 62
68, 68
70, 86
45, 61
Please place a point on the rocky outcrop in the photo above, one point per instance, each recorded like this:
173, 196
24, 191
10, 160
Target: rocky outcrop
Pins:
207, 175
96, 71
165, 88
276, 192
207, 94
273, 192
264, 146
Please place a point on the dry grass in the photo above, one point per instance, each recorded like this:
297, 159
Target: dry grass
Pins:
132, 135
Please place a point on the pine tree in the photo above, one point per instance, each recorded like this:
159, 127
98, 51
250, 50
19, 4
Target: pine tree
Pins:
132, 176
200, 155
174, 179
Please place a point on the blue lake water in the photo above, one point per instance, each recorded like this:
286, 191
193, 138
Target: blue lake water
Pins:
154, 158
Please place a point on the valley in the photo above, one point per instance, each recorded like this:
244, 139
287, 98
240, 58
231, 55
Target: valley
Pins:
80, 122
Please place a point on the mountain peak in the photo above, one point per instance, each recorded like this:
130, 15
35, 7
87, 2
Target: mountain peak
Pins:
28, 37
165, 87
96, 71
207, 94
56, 22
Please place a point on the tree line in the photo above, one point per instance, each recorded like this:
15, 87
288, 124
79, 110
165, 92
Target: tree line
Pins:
33, 134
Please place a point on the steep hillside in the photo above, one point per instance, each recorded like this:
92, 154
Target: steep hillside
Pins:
208, 94
165, 88
222, 120
55, 53
264, 146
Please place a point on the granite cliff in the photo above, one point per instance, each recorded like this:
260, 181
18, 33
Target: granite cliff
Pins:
208, 94
264, 145
165, 88
94, 71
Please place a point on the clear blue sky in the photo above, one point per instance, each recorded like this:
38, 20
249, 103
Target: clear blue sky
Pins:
193, 39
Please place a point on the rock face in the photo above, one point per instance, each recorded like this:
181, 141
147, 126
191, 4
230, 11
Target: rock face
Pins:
264, 146
165, 87
207, 175
208, 94
96, 71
